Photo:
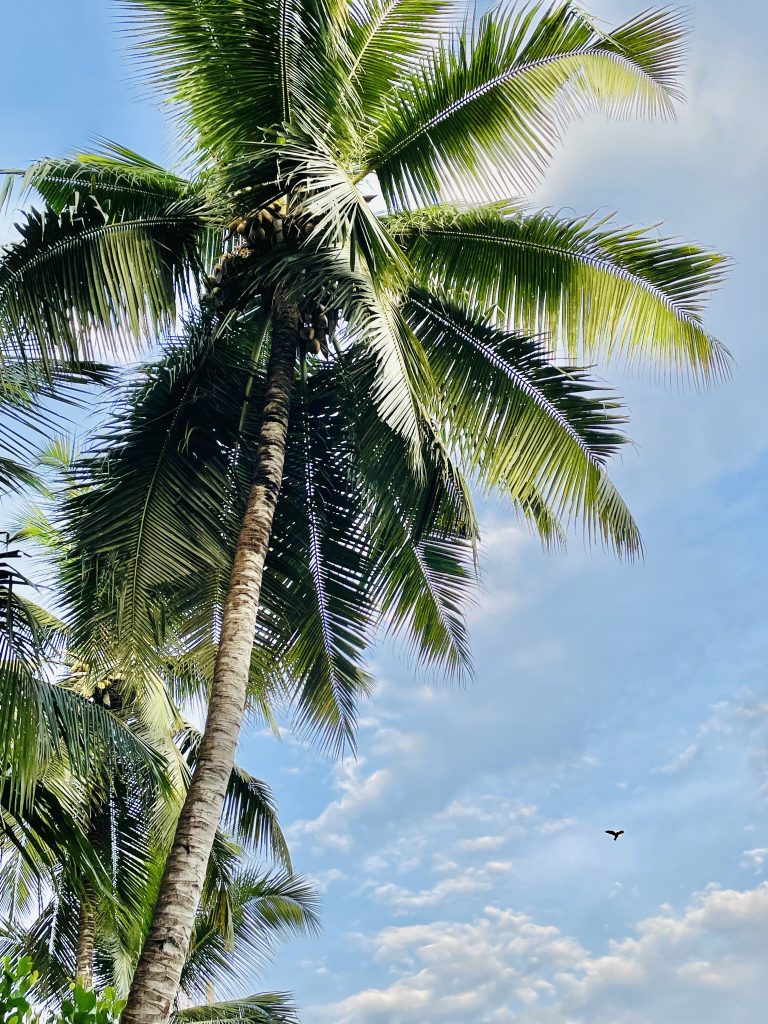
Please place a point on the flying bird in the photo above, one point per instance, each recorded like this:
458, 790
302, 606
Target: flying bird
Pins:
612, 832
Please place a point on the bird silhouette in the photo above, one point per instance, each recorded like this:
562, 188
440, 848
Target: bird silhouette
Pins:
612, 832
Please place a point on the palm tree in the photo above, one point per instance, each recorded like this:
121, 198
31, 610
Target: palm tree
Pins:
430, 316
50, 737
96, 908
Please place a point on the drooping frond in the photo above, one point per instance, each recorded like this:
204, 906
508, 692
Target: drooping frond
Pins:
374, 323
597, 289
40, 721
151, 513
49, 939
33, 404
262, 1008
243, 914
423, 532
522, 424
85, 281
319, 558
479, 118
249, 812
48, 836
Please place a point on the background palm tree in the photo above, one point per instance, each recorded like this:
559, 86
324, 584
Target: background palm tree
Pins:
80, 904
286, 111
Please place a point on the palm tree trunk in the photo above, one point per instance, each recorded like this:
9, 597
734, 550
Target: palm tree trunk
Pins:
157, 975
86, 927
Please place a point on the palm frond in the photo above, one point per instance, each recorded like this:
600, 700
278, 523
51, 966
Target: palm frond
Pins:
373, 321
522, 424
40, 721
236, 71
597, 289
318, 545
249, 812
85, 281
33, 404
480, 116
49, 939
48, 836
387, 38
120, 179
151, 513
262, 1008
239, 923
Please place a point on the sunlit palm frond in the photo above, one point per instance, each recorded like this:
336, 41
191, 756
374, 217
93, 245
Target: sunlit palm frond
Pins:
239, 922
34, 402
522, 424
85, 281
387, 39
262, 1008
238, 70
480, 117
595, 288
121, 180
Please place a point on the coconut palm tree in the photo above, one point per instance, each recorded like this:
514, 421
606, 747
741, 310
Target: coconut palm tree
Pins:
418, 332
96, 908
50, 737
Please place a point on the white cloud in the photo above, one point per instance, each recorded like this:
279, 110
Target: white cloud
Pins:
482, 843
704, 964
745, 715
359, 793
403, 900
322, 880
682, 760
556, 825
458, 971
755, 859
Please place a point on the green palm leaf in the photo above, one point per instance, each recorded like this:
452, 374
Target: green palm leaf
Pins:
236, 70
118, 177
598, 289
85, 280
243, 913
262, 1008
480, 116
387, 37
525, 426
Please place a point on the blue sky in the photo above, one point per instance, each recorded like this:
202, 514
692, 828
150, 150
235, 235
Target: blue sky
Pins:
465, 870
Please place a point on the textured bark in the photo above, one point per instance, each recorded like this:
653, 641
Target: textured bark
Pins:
86, 927
157, 975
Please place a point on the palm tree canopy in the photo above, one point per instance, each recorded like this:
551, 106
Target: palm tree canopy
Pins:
451, 308
441, 341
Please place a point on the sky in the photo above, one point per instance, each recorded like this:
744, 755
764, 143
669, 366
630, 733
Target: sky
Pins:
465, 872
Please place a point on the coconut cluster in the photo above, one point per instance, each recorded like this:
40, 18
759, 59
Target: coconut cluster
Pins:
318, 326
253, 235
